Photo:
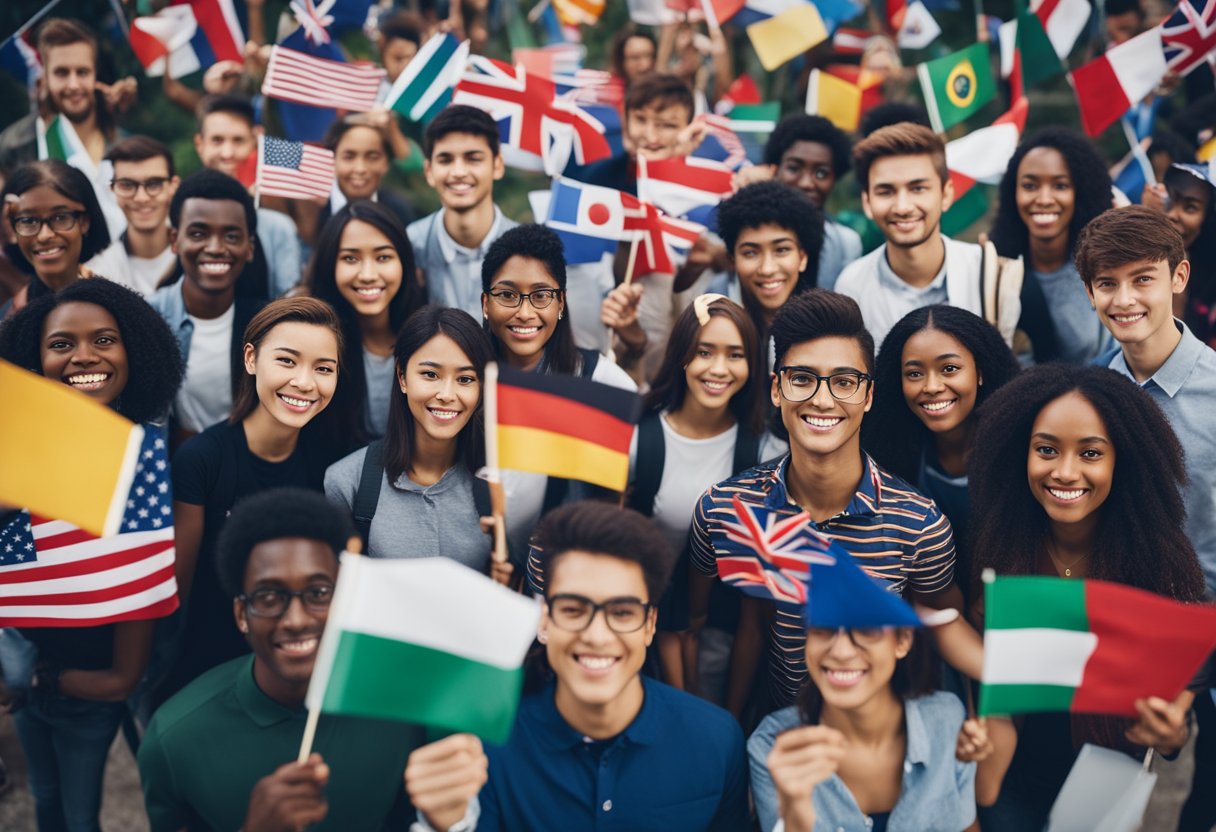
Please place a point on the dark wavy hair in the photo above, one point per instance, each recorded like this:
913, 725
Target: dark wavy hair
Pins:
71, 184
154, 360
422, 326
750, 404
891, 432
350, 401
913, 677
803, 128
1090, 181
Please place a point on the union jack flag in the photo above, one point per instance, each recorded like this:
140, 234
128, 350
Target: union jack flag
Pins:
663, 241
1189, 36
721, 143
769, 556
531, 115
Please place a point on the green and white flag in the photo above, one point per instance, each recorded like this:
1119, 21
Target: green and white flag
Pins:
956, 85
424, 640
425, 86
58, 140
760, 119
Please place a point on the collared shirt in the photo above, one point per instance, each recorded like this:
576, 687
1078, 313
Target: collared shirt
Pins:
680, 765
171, 304
281, 246
936, 794
894, 532
1185, 388
453, 272
208, 746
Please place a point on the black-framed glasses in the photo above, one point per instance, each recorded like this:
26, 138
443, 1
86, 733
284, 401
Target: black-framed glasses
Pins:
511, 299
575, 613
130, 187
801, 383
268, 602
862, 637
59, 221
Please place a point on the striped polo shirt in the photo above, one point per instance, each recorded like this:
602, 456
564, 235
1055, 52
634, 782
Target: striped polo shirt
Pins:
894, 532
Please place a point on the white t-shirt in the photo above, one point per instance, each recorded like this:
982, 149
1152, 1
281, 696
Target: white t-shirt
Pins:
139, 273
205, 396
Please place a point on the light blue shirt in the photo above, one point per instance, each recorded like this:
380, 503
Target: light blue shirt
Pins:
1185, 388
1079, 334
171, 305
841, 246
281, 246
453, 272
937, 793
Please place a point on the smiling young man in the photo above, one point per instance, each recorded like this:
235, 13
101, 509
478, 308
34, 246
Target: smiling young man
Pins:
213, 224
279, 563
822, 387
462, 163
597, 745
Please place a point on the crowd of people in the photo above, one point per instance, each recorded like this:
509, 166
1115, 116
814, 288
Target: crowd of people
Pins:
1040, 402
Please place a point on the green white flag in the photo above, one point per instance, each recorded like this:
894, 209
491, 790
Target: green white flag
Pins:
957, 85
425, 86
423, 640
755, 118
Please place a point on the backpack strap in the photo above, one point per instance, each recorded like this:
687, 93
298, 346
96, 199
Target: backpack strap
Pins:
747, 451
652, 450
591, 359
367, 496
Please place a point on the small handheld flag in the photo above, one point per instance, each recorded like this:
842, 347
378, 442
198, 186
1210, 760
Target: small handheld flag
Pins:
957, 85
425, 86
293, 169
304, 79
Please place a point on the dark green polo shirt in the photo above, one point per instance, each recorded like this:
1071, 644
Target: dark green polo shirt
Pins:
207, 747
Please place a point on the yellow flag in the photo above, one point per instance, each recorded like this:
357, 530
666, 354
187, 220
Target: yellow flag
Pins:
62, 454
786, 36
835, 99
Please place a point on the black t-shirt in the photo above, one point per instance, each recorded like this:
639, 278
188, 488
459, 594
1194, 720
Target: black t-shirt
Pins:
217, 470
74, 648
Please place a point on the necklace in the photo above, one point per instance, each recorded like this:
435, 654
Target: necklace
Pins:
1066, 567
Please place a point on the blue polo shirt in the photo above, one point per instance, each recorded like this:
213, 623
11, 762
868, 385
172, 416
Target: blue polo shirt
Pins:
680, 765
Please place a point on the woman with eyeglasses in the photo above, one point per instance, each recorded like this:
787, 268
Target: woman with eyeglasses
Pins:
57, 223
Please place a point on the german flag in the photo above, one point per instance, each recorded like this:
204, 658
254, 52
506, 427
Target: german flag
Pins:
565, 427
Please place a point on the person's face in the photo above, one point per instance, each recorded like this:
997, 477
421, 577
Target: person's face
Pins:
83, 348
295, 371
718, 368
360, 162
1135, 301
213, 243
145, 212
823, 424
285, 648
396, 55
462, 170
71, 74
224, 141
595, 666
441, 388
637, 58
1071, 460
906, 199
847, 675
768, 261
652, 131
369, 271
524, 330
808, 167
1188, 205
52, 253
1045, 196
940, 379
1121, 28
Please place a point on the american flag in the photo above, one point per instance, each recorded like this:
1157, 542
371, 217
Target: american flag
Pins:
294, 170
303, 79
53, 574
1189, 36
769, 556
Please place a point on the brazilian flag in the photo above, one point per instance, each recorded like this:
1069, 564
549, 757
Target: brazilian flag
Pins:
956, 85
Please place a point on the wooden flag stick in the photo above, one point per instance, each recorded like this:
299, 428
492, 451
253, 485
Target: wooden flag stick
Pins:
257, 176
498, 497
633, 259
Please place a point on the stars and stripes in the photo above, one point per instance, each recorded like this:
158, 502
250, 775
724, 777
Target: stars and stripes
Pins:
54, 574
769, 555
294, 170
1188, 36
303, 79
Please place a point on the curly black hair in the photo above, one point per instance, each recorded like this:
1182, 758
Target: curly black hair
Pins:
271, 515
891, 432
1140, 541
803, 128
1090, 180
154, 359
211, 184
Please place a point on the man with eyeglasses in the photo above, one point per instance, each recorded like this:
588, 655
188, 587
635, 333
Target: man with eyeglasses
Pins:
143, 184
822, 387
596, 745
221, 753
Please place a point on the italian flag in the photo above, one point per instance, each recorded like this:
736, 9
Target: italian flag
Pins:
1108, 86
1052, 644
981, 156
1035, 42
423, 640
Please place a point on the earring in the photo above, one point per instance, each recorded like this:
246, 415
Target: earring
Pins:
244, 627
559, 316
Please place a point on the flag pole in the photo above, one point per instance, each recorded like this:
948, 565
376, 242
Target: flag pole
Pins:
633, 259
498, 497
257, 177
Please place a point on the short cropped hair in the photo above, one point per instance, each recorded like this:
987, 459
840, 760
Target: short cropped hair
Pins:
803, 128
60, 31
820, 313
460, 118
401, 25
234, 105
140, 149
600, 528
659, 89
211, 184
527, 240
1127, 235
903, 139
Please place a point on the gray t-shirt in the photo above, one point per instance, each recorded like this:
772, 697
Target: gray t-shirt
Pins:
378, 372
1079, 334
415, 521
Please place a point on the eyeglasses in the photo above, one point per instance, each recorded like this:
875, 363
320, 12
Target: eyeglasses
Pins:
799, 384
862, 637
511, 299
59, 221
574, 613
273, 603
130, 187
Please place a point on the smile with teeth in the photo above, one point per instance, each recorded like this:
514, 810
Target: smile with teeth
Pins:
302, 647
715, 386
1128, 319
906, 225
1070, 495
596, 663
298, 404
523, 331
1043, 218
939, 407
49, 252
88, 380
770, 286
214, 268
843, 678
369, 291
460, 187
443, 415
823, 422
